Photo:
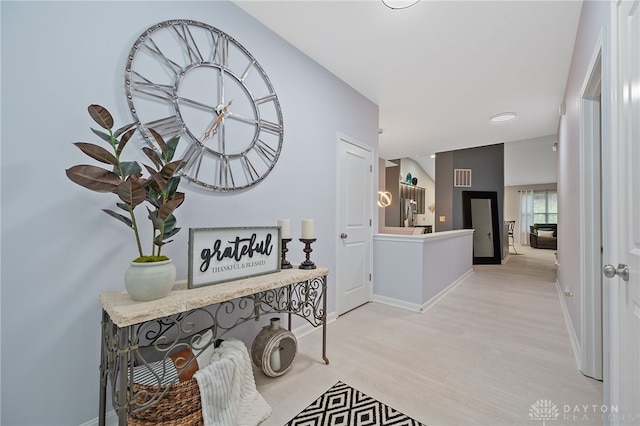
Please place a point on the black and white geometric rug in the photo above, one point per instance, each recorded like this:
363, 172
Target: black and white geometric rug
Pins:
343, 405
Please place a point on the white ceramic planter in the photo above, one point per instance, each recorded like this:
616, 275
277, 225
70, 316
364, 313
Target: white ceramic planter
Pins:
149, 281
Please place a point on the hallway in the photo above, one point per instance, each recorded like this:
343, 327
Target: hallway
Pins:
483, 355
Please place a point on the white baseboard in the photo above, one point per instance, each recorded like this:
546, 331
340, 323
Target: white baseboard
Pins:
575, 345
111, 419
429, 303
397, 303
307, 328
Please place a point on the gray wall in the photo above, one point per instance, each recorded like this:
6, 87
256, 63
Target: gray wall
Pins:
60, 251
487, 165
444, 191
392, 185
594, 23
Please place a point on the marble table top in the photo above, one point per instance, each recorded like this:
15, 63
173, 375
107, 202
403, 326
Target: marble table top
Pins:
124, 311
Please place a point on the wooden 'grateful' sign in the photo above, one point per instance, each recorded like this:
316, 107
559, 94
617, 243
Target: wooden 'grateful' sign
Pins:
218, 255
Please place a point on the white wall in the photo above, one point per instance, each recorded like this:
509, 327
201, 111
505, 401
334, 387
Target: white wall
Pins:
593, 21
530, 161
60, 250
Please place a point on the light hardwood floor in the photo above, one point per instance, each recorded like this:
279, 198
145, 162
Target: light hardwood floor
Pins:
483, 355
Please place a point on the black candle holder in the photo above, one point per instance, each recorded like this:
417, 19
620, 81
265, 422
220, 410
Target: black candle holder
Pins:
307, 264
285, 264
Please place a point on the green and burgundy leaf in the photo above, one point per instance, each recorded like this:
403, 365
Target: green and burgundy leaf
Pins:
171, 148
159, 140
170, 169
153, 217
167, 209
179, 195
130, 168
153, 197
159, 243
124, 139
94, 178
97, 153
170, 233
123, 129
104, 136
152, 191
153, 156
172, 186
160, 184
120, 217
170, 223
123, 206
138, 177
132, 192
101, 116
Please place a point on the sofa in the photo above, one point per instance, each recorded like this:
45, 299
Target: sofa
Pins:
544, 236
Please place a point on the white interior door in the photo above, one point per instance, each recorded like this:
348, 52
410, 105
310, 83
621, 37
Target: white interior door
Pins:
355, 232
623, 387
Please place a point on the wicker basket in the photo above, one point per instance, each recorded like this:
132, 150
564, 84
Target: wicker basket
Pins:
180, 406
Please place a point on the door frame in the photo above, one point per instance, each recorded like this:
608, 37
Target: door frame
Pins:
594, 131
344, 139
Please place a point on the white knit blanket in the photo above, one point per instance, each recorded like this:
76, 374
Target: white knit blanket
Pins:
228, 390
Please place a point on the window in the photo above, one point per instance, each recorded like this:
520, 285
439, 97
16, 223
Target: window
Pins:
545, 207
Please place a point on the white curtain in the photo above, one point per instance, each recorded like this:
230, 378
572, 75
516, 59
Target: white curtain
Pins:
526, 215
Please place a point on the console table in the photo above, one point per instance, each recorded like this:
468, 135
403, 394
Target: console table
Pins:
130, 328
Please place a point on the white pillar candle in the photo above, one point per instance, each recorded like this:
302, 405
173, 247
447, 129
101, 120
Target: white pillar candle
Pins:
275, 359
285, 231
307, 230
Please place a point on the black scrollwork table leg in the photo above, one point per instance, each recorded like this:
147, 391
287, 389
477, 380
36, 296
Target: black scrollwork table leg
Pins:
324, 320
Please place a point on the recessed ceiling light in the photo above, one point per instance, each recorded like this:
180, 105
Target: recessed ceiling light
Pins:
503, 116
399, 4
433, 156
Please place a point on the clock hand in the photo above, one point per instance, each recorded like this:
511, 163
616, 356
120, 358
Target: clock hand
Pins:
214, 127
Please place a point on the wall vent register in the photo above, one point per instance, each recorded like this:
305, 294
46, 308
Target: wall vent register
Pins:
462, 178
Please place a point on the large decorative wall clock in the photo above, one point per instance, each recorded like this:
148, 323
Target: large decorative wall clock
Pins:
188, 79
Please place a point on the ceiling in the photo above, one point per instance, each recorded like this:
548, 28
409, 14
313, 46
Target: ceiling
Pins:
439, 70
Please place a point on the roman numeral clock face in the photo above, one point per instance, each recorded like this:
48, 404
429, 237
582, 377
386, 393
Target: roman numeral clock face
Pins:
189, 79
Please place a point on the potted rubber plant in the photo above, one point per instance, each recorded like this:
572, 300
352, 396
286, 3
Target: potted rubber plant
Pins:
150, 276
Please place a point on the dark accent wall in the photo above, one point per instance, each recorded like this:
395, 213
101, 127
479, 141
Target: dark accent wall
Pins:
392, 182
487, 174
444, 194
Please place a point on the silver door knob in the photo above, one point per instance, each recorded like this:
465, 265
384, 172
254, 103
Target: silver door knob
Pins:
343, 236
611, 271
